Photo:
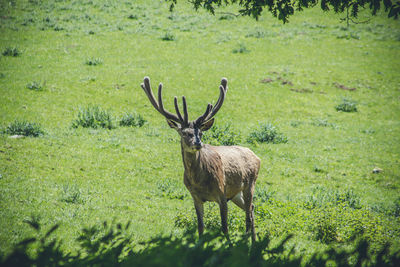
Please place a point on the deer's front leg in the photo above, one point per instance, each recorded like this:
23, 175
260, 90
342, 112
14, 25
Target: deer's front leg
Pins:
198, 205
223, 208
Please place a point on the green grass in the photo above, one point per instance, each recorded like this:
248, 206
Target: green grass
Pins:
324, 190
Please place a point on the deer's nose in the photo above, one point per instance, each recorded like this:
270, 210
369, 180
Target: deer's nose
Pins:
198, 145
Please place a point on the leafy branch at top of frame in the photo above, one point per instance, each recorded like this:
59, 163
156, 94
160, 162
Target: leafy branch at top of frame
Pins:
283, 9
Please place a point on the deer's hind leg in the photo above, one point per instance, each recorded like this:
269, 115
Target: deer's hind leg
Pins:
249, 209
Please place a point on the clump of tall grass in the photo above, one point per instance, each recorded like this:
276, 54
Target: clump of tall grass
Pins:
24, 128
95, 117
267, 133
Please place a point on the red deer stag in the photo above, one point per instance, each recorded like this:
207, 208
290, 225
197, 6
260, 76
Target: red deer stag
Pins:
212, 173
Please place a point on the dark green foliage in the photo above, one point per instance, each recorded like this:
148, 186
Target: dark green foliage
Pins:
110, 245
267, 133
93, 61
282, 9
95, 117
347, 105
326, 230
11, 52
24, 128
168, 37
36, 86
223, 135
132, 120
396, 209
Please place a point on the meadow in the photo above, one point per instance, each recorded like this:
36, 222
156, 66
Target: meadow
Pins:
80, 144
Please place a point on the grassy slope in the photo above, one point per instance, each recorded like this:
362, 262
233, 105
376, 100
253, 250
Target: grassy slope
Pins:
116, 173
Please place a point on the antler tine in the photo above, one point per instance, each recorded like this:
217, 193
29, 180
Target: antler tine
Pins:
166, 113
185, 112
147, 89
158, 105
200, 119
222, 92
177, 108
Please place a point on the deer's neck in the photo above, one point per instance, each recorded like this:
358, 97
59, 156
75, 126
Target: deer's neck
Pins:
191, 159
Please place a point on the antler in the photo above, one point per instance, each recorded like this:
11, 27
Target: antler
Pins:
159, 106
211, 111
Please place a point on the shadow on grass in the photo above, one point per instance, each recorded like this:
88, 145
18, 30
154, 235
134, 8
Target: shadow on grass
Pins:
110, 245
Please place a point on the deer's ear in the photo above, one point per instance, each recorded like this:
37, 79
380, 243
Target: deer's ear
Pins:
173, 124
207, 125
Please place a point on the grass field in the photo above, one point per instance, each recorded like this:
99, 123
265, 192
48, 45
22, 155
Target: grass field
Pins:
61, 57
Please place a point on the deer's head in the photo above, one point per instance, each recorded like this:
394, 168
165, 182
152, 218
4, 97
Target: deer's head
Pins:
190, 131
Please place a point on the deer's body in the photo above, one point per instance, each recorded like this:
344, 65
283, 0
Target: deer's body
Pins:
217, 171
212, 173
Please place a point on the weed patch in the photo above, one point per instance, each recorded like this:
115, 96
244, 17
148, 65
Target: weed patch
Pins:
24, 128
35, 86
11, 52
222, 136
72, 194
242, 49
347, 105
267, 133
93, 61
95, 117
132, 120
168, 37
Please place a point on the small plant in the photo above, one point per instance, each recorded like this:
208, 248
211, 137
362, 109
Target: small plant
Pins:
263, 194
267, 133
36, 86
326, 230
132, 120
349, 198
347, 105
11, 52
242, 49
396, 209
227, 17
24, 128
323, 123
221, 136
72, 194
93, 61
171, 189
168, 37
94, 117
134, 17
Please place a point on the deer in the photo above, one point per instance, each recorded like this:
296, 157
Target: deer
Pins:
211, 173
